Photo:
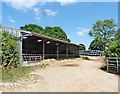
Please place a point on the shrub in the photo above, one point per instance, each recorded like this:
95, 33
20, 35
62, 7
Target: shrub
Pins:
9, 51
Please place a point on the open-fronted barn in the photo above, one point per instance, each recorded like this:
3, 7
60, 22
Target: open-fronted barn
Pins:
35, 47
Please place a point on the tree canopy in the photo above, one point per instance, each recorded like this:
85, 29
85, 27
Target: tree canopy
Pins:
82, 47
113, 47
54, 32
32, 28
106, 37
102, 32
96, 44
103, 29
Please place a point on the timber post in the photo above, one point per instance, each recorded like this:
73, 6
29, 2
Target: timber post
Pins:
57, 50
67, 51
43, 49
117, 66
20, 47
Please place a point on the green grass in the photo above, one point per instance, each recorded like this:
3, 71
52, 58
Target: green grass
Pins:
15, 74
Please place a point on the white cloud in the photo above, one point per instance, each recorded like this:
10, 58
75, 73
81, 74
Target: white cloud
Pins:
87, 0
83, 29
37, 19
61, 0
49, 12
36, 11
37, 14
79, 33
66, 2
11, 20
22, 4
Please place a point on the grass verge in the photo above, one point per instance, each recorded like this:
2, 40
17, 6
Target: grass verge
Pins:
15, 74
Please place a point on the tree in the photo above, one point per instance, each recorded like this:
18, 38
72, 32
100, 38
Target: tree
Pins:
103, 29
54, 32
82, 47
32, 28
102, 32
97, 44
113, 47
9, 50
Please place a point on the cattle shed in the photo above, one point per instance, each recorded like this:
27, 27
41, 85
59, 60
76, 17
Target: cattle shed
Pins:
34, 47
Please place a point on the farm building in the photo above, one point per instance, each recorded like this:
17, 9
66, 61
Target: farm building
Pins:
35, 47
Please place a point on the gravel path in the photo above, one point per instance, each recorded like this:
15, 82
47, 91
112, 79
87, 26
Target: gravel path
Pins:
84, 76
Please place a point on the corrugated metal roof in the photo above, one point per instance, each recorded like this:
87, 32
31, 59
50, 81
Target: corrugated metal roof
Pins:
50, 38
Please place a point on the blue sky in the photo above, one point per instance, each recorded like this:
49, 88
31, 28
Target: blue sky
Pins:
75, 18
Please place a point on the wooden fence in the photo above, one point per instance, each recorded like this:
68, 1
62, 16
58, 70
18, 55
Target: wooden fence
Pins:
113, 65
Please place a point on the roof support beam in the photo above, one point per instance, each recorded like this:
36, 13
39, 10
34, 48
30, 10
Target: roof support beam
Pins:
20, 51
73, 51
43, 49
66, 50
57, 50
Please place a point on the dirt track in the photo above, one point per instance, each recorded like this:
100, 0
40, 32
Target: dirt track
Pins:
81, 76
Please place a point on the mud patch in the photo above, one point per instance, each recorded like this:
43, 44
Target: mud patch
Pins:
70, 65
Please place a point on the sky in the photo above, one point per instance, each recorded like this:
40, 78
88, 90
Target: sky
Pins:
75, 18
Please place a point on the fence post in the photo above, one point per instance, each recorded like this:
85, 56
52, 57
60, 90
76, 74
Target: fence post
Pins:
117, 65
107, 64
